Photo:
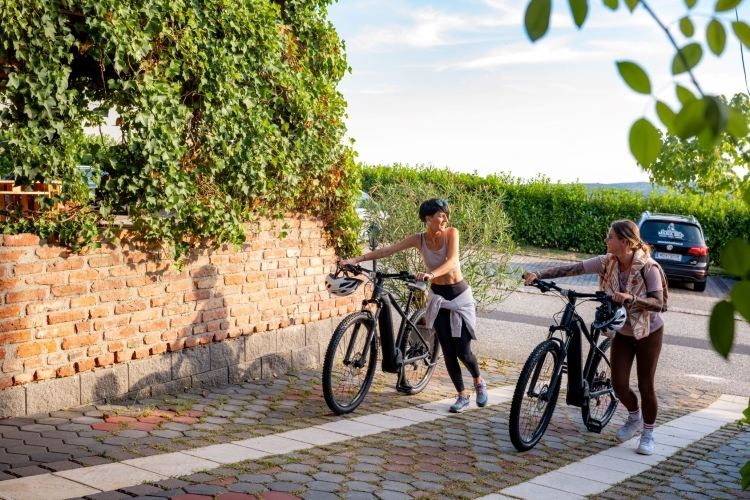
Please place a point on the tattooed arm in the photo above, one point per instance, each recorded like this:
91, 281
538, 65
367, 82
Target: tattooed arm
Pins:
652, 302
554, 272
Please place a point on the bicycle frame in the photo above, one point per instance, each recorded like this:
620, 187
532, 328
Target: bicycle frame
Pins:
384, 301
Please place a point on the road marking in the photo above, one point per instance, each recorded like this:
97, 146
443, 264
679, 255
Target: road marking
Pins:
597, 473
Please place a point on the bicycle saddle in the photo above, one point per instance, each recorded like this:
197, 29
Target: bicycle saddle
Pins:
418, 285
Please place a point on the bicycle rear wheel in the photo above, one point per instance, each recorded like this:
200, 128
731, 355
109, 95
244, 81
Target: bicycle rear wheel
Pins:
345, 383
415, 375
531, 411
599, 411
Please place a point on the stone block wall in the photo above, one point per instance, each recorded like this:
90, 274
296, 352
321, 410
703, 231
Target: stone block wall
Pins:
119, 322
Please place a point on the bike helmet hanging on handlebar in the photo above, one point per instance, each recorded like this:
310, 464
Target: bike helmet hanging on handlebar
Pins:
608, 319
340, 284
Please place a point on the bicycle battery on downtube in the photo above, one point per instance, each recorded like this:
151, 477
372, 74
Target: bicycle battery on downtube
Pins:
391, 354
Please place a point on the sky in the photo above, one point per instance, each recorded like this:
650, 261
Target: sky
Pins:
458, 83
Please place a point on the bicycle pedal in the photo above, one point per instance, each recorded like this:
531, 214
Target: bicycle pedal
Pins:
403, 389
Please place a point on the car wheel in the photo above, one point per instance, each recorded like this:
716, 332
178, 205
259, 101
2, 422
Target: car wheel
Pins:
700, 286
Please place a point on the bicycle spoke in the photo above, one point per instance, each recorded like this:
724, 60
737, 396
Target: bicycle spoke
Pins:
535, 406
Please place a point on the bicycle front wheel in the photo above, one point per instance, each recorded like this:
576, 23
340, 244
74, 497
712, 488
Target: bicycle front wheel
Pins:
602, 405
533, 403
419, 357
347, 371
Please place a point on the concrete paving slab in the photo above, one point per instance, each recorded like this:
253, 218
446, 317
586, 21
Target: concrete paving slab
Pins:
315, 435
615, 464
531, 491
110, 476
569, 483
273, 444
350, 428
384, 421
47, 486
172, 464
629, 454
600, 474
413, 415
226, 453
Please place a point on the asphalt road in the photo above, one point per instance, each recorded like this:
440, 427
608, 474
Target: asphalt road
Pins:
687, 358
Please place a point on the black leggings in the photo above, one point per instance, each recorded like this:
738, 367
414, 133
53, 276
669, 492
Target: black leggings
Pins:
454, 348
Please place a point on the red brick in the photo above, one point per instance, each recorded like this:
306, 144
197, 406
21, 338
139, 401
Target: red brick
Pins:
158, 349
215, 314
136, 257
7, 312
12, 256
113, 322
192, 342
203, 272
23, 378
115, 295
95, 350
176, 345
186, 320
163, 301
256, 276
44, 374
79, 341
157, 267
281, 292
10, 325
124, 271
57, 358
65, 317
65, 371
12, 365
117, 345
85, 275
82, 301
179, 286
104, 260
161, 324
25, 296
6, 382
218, 337
8, 283
32, 364
145, 315
105, 360
234, 279
103, 285
141, 353
66, 290
85, 365
28, 268
2, 353
130, 307
56, 331
197, 295
98, 312
65, 265
83, 327
47, 279
123, 356
20, 240
139, 281
35, 349
121, 333
149, 291
15, 337
51, 252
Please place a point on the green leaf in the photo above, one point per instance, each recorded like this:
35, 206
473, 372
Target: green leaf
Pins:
742, 31
537, 18
746, 196
634, 76
690, 3
666, 115
721, 327
740, 295
691, 56
632, 4
686, 26
717, 114
725, 5
735, 257
612, 4
579, 9
737, 126
691, 119
645, 142
684, 95
716, 36
745, 473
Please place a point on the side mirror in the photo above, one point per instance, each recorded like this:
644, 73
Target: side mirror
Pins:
373, 235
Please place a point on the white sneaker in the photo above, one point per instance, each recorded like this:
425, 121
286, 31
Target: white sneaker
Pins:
646, 444
628, 430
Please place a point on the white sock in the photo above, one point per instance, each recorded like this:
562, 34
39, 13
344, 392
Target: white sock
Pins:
636, 415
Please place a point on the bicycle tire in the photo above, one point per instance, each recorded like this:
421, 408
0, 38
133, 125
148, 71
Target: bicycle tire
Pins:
599, 378
519, 423
414, 377
340, 395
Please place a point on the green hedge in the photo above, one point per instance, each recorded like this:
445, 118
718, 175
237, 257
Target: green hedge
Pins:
570, 216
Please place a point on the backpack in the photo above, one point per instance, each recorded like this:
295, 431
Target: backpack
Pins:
665, 293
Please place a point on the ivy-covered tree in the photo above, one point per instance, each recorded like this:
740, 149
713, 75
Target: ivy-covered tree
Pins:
686, 166
227, 109
704, 119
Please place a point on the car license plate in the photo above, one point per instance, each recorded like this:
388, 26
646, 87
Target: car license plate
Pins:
668, 256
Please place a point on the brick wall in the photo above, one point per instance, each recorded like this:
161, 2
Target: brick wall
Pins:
118, 321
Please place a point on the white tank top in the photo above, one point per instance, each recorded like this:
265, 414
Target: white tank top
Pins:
435, 258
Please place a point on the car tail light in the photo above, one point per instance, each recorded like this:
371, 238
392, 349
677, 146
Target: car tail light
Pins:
698, 251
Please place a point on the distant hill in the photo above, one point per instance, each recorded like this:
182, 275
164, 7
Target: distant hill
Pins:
643, 187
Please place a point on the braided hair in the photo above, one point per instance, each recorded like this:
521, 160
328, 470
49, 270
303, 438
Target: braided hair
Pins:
628, 230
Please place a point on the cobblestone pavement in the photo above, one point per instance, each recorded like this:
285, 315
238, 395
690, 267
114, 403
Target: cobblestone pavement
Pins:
94, 435
716, 288
704, 470
465, 456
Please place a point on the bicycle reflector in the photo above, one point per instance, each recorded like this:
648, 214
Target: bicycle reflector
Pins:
610, 320
341, 286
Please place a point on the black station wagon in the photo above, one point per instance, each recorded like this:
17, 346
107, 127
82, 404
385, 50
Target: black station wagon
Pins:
678, 245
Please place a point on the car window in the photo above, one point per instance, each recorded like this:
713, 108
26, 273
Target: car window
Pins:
670, 232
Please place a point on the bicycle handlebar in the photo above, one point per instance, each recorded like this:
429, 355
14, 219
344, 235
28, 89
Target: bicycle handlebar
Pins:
546, 286
357, 270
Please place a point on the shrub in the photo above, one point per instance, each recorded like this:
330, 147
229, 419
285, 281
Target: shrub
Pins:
486, 244
571, 216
